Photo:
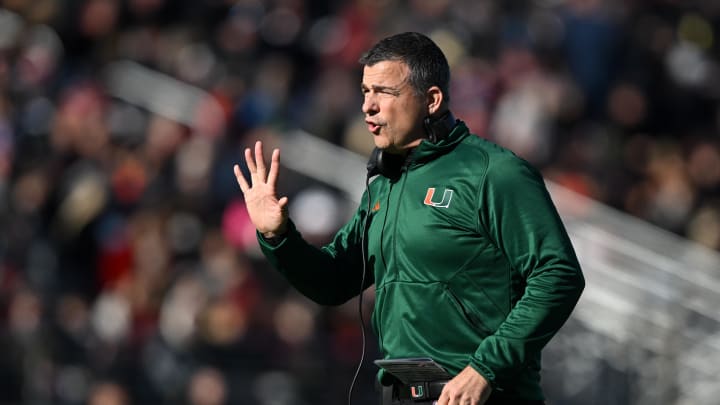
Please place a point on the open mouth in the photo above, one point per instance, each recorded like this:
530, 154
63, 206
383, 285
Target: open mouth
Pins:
373, 127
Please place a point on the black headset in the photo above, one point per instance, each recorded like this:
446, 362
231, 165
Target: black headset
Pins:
390, 165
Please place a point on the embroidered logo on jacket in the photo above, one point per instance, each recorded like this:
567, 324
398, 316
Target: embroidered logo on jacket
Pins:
444, 203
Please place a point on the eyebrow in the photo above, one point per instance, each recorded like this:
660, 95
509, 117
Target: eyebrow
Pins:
380, 88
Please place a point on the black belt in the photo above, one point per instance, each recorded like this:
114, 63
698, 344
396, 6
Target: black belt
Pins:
426, 392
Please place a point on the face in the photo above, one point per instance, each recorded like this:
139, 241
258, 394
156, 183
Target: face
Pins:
393, 111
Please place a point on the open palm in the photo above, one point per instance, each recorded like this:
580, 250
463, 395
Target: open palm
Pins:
267, 212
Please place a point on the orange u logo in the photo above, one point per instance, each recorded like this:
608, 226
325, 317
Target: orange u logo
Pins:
444, 203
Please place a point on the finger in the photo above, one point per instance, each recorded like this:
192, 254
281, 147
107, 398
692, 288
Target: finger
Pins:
260, 161
283, 203
250, 162
274, 167
244, 186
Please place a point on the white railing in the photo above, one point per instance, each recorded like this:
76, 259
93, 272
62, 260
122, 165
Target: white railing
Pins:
648, 325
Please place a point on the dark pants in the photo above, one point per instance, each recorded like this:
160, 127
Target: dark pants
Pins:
397, 395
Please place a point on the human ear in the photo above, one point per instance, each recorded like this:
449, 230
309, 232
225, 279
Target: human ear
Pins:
434, 99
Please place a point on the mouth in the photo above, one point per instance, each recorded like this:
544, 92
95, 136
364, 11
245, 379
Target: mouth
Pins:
373, 127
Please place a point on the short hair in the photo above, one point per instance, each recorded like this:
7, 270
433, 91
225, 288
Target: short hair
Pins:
426, 62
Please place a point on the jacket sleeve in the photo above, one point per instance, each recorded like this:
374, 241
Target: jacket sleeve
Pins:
516, 211
329, 275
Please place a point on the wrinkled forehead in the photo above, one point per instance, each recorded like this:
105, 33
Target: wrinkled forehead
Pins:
385, 73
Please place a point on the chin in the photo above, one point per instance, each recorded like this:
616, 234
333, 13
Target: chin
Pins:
381, 142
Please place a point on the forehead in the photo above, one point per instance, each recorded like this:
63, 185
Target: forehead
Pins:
385, 73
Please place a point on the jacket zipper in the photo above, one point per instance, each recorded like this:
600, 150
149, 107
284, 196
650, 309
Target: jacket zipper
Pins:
387, 268
379, 315
395, 220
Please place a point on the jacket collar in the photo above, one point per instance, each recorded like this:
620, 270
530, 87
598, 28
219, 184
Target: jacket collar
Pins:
427, 151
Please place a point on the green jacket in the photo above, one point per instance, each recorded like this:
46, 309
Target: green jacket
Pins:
470, 261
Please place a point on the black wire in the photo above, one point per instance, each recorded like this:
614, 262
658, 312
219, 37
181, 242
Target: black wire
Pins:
360, 297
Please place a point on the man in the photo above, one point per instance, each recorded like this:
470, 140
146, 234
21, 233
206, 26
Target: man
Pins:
471, 264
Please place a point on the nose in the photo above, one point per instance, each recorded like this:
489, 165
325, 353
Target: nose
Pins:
369, 106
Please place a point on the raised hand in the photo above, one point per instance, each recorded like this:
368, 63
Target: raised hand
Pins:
267, 212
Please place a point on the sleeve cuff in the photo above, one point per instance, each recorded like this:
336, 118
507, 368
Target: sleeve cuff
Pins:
275, 241
485, 372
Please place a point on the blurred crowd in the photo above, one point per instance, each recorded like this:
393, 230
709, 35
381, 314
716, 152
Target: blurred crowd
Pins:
129, 271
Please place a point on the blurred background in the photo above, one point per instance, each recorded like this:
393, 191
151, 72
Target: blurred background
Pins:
129, 271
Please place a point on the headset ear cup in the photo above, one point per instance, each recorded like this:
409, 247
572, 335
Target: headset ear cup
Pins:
385, 164
389, 165
372, 164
